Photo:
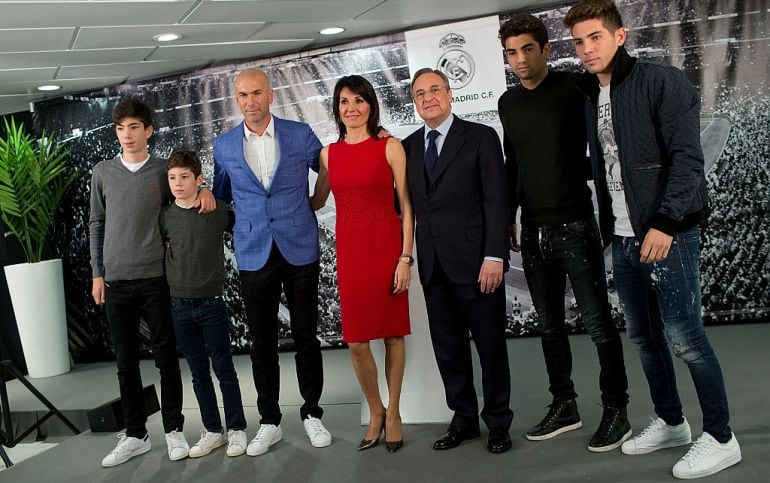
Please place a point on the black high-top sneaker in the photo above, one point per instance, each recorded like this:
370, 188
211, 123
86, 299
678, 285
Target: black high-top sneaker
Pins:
562, 417
613, 430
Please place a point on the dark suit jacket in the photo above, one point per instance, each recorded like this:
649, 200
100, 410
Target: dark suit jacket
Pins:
462, 216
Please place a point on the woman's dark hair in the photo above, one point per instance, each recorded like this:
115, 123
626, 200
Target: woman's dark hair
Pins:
361, 87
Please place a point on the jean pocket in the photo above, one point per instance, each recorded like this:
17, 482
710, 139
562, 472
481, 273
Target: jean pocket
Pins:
581, 227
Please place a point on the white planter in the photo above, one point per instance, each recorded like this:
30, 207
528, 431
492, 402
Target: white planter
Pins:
37, 294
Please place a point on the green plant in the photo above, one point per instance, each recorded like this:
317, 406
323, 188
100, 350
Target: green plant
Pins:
33, 178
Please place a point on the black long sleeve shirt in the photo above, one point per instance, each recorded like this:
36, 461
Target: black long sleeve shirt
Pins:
546, 152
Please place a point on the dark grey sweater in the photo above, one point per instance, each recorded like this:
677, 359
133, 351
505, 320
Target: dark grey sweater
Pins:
124, 232
195, 261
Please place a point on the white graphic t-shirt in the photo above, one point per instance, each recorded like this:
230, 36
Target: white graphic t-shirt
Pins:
612, 164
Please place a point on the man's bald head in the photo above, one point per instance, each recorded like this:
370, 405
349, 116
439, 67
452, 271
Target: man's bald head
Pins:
254, 96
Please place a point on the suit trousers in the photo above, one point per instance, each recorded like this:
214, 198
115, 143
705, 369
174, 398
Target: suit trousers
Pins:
261, 291
454, 310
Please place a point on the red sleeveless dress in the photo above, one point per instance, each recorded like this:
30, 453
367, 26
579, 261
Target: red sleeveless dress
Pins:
368, 233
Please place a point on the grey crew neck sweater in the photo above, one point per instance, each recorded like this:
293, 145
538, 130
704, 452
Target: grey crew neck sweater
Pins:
124, 231
195, 260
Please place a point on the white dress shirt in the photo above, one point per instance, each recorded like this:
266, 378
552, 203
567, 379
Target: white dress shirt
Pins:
260, 152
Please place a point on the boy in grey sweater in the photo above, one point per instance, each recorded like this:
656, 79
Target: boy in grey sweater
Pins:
127, 193
195, 271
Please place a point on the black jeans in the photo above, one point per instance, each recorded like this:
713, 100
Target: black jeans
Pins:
126, 303
202, 329
551, 254
261, 290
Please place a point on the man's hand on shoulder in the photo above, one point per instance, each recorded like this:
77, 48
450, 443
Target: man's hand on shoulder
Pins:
206, 201
655, 246
490, 275
97, 290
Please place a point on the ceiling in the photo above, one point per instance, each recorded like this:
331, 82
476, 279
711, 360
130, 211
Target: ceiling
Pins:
88, 45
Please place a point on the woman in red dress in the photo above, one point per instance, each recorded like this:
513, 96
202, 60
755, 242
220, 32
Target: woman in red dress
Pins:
374, 248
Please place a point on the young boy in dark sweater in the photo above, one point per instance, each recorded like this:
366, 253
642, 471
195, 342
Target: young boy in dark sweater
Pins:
195, 270
127, 193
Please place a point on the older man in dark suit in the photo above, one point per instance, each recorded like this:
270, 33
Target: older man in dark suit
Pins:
457, 181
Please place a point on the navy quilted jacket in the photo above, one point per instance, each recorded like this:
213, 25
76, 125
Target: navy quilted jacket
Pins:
656, 121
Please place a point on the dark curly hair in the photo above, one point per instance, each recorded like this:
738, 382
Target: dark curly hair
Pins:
133, 108
521, 24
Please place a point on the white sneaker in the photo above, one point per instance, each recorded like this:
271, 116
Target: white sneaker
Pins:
178, 449
236, 442
127, 448
319, 436
268, 435
209, 442
658, 435
708, 456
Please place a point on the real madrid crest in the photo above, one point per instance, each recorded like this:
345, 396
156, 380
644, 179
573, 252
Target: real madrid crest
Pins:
455, 62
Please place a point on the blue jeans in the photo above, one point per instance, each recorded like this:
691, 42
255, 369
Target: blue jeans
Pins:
550, 254
662, 305
201, 326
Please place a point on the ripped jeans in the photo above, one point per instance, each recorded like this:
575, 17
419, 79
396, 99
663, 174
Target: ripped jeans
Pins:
662, 306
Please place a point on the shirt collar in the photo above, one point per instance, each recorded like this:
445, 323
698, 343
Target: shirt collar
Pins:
269, 130
120, 156
442, 128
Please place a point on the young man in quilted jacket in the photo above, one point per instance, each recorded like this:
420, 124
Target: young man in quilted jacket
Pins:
643, 125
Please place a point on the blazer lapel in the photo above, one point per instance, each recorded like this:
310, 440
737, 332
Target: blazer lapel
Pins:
416, 160
281, 140
452, 144
240, 158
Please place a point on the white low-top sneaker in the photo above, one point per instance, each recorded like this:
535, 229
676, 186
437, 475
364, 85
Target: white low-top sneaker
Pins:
268, 435
236, 442
658, 435
127, 448
707, 456
178, 449
319, 436
209, 442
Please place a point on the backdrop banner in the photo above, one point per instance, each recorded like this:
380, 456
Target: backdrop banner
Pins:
721, 45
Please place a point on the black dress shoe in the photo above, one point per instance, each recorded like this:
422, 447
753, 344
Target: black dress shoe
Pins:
454, 436
499, 441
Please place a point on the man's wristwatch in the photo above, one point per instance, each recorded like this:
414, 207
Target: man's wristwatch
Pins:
406, 258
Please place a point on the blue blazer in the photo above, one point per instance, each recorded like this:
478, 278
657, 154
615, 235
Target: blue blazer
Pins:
280, 213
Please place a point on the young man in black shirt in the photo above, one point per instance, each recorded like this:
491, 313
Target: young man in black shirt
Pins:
545, 151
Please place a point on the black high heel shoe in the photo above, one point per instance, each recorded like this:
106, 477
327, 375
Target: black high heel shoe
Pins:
393, 446
371, 443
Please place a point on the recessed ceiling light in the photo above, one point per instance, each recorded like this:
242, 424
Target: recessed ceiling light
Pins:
167, 37
332, 31
48, 87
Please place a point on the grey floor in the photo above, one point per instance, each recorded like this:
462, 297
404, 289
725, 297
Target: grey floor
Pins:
742, 350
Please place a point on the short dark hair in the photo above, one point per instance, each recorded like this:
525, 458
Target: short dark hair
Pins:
521, 24
361, 87
604, 10
428, 70
133, 108
185, 159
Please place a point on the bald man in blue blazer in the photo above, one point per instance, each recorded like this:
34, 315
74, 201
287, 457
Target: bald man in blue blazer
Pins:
261, 165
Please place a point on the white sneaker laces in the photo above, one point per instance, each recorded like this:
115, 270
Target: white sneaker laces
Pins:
697, 451
655, 426
261, 432
122, 446
315, 425
175, 439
